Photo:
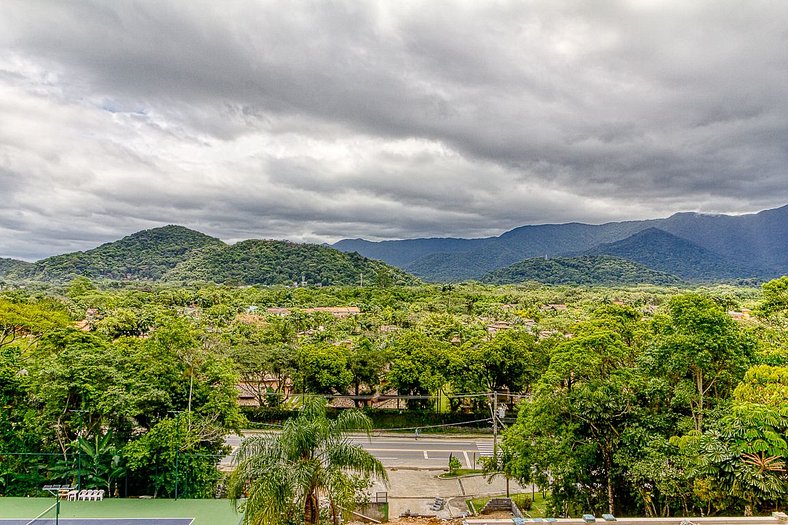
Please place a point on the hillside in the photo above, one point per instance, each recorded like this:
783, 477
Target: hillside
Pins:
753, 240
279, 262
668, 253
12, 266
735, 246
584, 270
145, 255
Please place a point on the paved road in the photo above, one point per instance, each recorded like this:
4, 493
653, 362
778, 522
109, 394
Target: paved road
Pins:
407, 451
414, 467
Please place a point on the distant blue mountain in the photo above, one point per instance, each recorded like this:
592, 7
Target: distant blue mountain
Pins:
701, 247
665, 252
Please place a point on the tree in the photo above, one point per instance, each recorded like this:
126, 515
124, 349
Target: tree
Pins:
418, 367
366, 363
323, 369
700, 350
284, 474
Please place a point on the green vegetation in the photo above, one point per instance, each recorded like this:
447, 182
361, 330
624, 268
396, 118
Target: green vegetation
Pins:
280, 262
460, 472
12, 267
177, 254
642, 400
532, 505
585, 270
281, 475
145, 255
671, 254
204, 512
692, 246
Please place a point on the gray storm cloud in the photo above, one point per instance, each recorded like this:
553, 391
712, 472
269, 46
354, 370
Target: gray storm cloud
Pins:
382, 119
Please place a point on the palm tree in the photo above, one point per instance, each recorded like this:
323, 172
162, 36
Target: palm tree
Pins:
283, 474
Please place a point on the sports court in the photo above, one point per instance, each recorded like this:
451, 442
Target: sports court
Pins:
119, 511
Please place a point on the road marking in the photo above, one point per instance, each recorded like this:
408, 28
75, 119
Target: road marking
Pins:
485, 448
444, 450
425, 455
467, 460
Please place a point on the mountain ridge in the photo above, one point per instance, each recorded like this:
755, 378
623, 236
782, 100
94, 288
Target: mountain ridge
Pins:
582, 270
176, 253
752, 245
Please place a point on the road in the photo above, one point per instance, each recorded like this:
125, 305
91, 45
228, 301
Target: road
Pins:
407, 451
414, 466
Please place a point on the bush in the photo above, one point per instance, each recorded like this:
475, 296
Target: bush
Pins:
523, 501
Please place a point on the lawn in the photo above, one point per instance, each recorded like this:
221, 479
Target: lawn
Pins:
204, 511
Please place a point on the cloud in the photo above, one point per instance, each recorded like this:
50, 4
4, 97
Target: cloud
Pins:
382, 120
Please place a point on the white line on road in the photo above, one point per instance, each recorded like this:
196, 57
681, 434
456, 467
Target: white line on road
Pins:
407, 450
467, 460
425, 455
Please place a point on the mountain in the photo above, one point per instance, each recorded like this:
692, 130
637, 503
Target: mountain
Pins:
145, 255
281, 262
584, 270
12, 266
726, 247
400, 253
665, 252
758, 239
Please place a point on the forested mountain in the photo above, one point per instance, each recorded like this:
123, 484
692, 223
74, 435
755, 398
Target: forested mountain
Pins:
745, 246
280, 262
668, 253
759, 239
401, 253
145, 255
11, 266
584, 270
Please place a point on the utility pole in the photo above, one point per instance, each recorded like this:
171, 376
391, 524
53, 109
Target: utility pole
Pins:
495, 426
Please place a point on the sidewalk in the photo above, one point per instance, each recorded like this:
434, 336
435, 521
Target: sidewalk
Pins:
414, 490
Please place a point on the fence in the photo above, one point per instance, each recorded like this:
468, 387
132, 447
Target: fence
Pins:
24, 473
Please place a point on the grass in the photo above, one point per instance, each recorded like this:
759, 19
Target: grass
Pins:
538, 507
460, 472
204, 511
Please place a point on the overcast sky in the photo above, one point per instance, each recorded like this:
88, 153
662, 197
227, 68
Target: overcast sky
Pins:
321, 120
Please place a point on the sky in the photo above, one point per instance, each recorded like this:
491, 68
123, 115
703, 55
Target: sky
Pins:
320, 120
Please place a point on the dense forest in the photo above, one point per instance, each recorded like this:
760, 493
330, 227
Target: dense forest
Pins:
585, 270
643, 400
178, 254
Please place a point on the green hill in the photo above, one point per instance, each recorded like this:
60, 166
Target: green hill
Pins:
145, 255
669, 253
12, 266
280, 262
585, 270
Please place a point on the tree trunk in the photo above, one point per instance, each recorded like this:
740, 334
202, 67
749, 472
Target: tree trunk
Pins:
611, 503
311, 510
699, 386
